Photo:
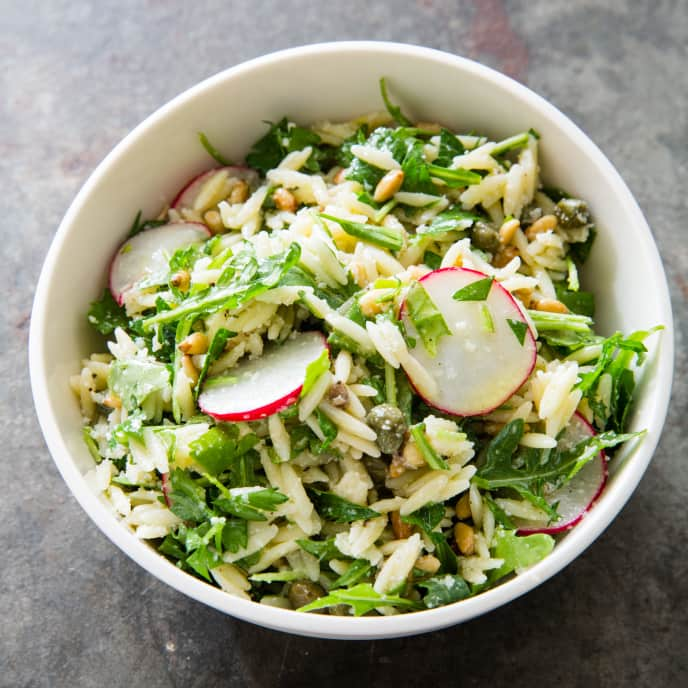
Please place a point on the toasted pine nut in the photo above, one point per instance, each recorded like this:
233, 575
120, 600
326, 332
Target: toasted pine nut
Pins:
239, 192
411, 456
463, 507
544, 224
112, 401
189, 368
340, 177
195, 343
214, 221
369, 304
396, 467
550, 306
181, 280
401, 530
284, 200
465, 538
504, 256
507, 230
429, 126
428, 563
388, 186
525, 296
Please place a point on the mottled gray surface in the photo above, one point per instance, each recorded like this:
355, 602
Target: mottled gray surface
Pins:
74, 78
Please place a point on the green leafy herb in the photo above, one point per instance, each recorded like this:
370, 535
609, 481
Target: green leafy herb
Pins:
394, 110
432, 260
519, 552
560, 322
217, 450
276, 576
324, 550
380, 236
426, 317
281, 139
106, 314
235, 535
452, 220
329, 430
334, 508
432, 458
358, 569
139, 225
580, 302
454, 178
581, 250
516, 141
486, 317
362, 598
215, 350
314, 370
133, 381
249, 504
449, 148
187, 497
427, 518
443, 590
212, 151
519, 328
475, 291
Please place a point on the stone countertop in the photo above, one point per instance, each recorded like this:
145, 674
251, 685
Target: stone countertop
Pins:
76, 77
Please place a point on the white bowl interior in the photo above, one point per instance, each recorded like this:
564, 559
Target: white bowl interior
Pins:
339, 81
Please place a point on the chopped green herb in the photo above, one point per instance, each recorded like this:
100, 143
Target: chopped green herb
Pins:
443, 590
362, 598
475, 291
338, 509
432, 458
380, 236
106, 314
426, 317
394, 110
519, 328
212, 151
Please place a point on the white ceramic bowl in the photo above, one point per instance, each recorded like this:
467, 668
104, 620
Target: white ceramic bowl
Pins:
338, 81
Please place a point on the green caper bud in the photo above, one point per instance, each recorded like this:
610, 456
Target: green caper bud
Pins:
377, 469
304, 592
572, 213
485, 237
390, 426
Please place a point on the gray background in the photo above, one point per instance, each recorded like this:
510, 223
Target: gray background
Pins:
75, 77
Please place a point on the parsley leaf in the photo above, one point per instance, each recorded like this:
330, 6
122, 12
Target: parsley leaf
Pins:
324, 550
475, 291
449, 148
249, 504
282, 138
187, 498
218, 449
443, 590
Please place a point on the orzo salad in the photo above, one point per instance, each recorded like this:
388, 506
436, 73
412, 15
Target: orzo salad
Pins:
358, 372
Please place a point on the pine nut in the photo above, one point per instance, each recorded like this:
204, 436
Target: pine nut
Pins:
370, 306
189, 368
428, 563
388, 186
465, 538
507, 230
239, 192
504, 256
112, 401
411, 456
181, 280
544, 224
214, 221
525, 296
340, 177
195, 343
550, 306
401, 530
284, 200
463, 507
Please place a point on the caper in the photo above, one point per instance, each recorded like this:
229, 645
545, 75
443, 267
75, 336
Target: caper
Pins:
377, 469
304, 592
485, 237
390, 426
572, 213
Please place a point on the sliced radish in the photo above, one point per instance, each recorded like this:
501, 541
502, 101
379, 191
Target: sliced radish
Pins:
259, 387
577, 496
149, 253
490, 350
166, 488
189, 196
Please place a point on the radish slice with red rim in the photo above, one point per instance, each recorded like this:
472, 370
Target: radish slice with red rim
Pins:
259, 387
575, 498
149, 252
189, 195
490, 349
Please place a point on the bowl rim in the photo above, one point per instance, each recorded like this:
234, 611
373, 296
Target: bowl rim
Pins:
576, 541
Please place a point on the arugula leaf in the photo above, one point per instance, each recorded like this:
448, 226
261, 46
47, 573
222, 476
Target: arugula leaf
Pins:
416, 171
133, 381
344, 156
358, 569
427, 518
324, 550
519, 328
426, 317
581, 250
519, 552
452, 220
187, 498
235, 535
215, 350
378, 235
329, 430
516, 141
475, 291
362, 598
106, 314
449, 148
282, 138
432, 458
248, 505
501, 517
444, 590
454, 178
580, 302
139, 226
202, 560
243, 286
337, 509
216, 450
432, 260
394, 110
276, 576
212, 151
314, 370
